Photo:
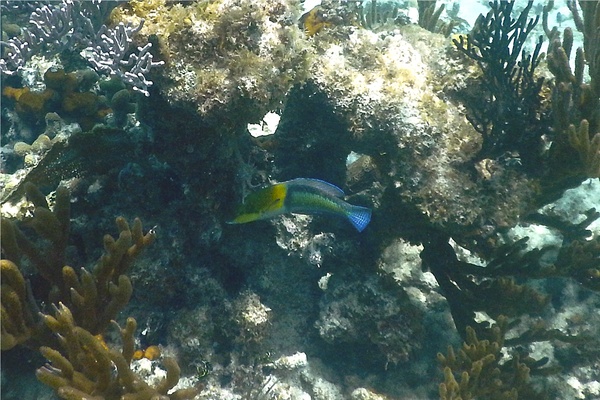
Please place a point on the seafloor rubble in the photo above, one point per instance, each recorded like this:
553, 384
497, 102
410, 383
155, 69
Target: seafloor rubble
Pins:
480, 164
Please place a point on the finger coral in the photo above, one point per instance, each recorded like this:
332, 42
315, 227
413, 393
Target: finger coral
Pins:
81, 364
587, 147
94, 297
82, 368
18, 322
575, 151
476, 370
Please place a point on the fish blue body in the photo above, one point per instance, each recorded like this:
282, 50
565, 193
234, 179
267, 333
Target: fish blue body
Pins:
301, 196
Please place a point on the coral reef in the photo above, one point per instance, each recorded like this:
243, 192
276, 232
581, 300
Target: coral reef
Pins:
349, 316
252, 317
66, 94
85, 371
512, 116
77, 25
225, 57
482, 375
84, 305
454, 146
575, 102
94, 297
392, 114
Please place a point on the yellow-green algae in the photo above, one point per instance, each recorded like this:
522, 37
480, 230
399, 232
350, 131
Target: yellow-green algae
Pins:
225, 56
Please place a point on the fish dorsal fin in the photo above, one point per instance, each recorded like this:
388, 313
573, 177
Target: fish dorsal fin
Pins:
318, 184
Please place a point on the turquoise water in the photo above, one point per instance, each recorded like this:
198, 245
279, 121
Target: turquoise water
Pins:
472, 155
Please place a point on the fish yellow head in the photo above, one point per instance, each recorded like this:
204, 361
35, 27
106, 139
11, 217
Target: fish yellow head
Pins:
314, 21
262, 204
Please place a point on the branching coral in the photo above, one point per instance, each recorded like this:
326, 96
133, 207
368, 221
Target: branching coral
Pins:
479, 370
581, 260
470, 288
575, 152
83, 367
84, 304
578, 257
94, 297
511, 116
494, 290
74, 25
19, 320
429, 18
476, 371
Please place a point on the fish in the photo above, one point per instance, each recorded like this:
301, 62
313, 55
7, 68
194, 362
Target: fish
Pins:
300, 196
314, 21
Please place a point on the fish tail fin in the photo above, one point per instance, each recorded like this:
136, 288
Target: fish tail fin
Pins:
359, 217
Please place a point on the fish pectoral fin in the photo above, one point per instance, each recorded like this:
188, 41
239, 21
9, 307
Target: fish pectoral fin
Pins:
244, 218
274, 205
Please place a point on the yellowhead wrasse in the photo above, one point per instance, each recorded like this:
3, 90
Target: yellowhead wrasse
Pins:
300, 196
314, 21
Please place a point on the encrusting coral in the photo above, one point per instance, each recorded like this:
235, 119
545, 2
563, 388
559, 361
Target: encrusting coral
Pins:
224, 56
67, 94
